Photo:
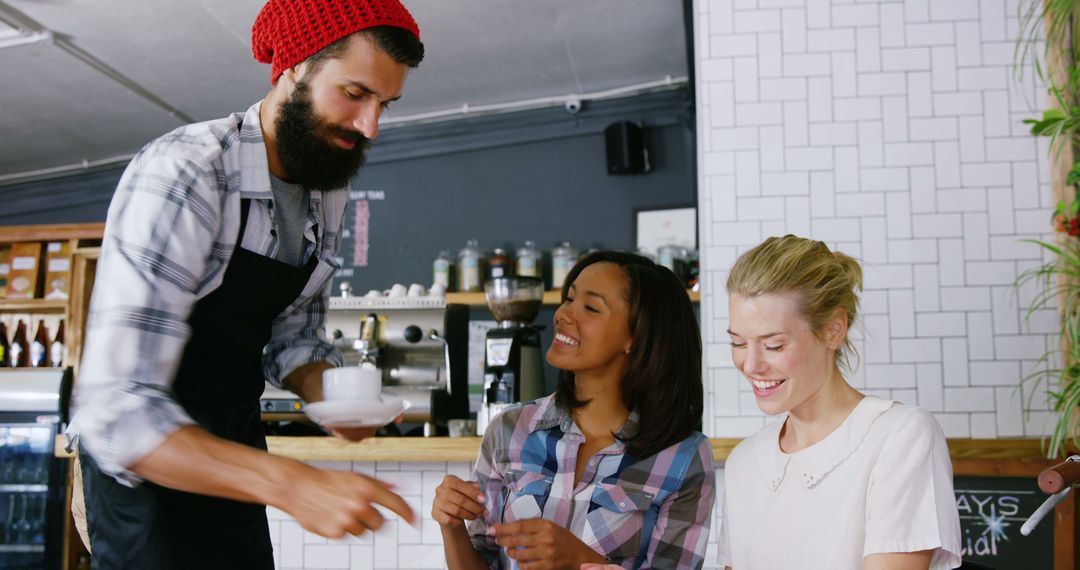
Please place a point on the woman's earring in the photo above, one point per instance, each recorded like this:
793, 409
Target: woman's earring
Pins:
628, 353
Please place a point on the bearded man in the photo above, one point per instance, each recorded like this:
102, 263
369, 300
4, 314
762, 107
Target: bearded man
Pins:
214, 275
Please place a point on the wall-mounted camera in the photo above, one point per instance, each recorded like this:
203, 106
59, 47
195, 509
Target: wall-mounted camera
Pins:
573, 106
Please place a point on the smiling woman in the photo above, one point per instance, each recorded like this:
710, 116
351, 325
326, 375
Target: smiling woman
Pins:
612, 467
879, 468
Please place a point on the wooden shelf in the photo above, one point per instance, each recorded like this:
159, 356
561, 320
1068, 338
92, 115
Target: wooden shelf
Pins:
52, 232
32, 306
550, 298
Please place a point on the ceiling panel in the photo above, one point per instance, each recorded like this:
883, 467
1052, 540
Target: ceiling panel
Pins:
55, 110
195, 56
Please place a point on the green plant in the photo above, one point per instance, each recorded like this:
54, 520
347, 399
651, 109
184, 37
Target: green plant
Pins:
1058, 21
1058, 279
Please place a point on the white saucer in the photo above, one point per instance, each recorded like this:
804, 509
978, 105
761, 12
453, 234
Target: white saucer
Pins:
356, 413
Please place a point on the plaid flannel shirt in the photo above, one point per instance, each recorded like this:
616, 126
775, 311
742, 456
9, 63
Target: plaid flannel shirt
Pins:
526, 470
171, 229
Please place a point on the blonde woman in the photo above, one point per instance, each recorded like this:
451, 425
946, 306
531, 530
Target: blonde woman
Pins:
842, 480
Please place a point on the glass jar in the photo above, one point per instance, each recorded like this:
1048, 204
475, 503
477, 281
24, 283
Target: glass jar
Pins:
674, 257
498, 264
563, 258
469, 270
443, 270
528, 260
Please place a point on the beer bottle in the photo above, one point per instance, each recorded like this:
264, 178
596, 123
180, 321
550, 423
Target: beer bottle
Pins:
4, 347
20, 347
39, 355
56, 349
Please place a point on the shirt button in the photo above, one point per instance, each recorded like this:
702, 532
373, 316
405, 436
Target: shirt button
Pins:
622, 505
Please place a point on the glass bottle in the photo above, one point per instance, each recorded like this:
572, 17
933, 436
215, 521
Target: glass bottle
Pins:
469, 270
20, 347
498, 263
39, 349
528, 260
17, 520
563, 258
443, 270
56, 349
9, 522
36, 530
5, 347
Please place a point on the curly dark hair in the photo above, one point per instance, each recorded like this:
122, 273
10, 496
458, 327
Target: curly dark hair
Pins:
663, 375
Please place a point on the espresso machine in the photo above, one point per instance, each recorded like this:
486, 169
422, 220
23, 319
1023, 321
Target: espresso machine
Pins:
513, 369
420, 344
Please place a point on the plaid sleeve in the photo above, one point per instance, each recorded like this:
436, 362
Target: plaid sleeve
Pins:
299, 334
486, 473
681, 534
160, 251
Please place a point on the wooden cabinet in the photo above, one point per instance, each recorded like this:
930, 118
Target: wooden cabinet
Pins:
84, 241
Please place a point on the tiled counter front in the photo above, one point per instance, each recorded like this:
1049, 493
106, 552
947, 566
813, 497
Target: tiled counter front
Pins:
400, 545
397, 544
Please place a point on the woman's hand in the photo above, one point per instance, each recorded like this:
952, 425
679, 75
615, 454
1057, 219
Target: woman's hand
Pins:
457, 501
539, 544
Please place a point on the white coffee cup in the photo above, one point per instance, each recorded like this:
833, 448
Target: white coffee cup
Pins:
417, 290
373, 293
437, 290
352, 383
398, 290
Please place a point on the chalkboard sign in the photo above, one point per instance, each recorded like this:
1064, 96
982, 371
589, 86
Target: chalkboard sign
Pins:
992, 509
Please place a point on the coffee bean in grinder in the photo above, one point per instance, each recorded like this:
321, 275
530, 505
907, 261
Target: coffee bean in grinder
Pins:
513, 365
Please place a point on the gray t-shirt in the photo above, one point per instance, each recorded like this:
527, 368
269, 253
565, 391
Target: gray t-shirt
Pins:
290, 217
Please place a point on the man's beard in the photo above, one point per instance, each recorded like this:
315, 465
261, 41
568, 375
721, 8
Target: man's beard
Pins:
303, 143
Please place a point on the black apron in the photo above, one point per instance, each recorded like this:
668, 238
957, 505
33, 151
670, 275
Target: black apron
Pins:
218, 383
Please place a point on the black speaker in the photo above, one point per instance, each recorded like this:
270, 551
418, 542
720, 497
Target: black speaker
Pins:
626, 153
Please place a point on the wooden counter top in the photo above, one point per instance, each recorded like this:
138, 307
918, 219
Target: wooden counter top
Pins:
989, 456
465, 449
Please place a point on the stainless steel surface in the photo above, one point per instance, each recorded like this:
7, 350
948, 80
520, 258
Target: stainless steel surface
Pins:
23, 390
405, 338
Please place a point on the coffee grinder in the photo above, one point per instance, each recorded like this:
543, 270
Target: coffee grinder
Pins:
513, 369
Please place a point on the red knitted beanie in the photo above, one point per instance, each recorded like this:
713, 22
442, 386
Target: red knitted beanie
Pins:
286, 32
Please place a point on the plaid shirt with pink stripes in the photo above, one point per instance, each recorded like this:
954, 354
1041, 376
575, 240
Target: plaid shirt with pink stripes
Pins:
653, 512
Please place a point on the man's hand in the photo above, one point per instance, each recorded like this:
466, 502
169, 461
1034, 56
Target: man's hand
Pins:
336, 503
539, 544
457, 501
306, 381
329, 503
357, 434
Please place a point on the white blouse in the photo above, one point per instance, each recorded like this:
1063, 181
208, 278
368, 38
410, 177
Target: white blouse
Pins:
880, 483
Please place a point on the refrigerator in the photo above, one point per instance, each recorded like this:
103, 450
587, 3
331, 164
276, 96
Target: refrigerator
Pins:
32, 480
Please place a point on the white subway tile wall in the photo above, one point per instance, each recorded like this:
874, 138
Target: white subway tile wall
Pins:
899, 142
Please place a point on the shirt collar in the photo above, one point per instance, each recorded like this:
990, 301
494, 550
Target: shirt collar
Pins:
550, 415
814, 463
255, 174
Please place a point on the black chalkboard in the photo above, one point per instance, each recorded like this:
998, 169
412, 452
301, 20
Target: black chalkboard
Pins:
992, 509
